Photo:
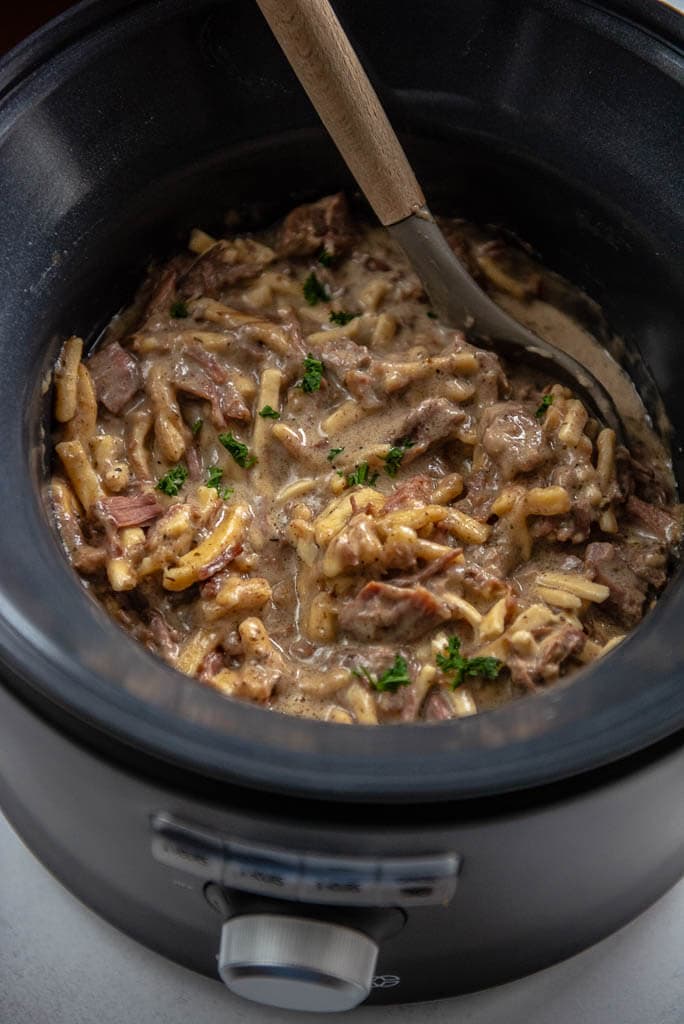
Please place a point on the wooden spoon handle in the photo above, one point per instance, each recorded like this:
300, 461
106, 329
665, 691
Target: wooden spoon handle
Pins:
321, 56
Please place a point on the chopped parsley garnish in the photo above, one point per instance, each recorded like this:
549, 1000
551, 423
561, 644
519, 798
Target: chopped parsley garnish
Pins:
196, 427
395, 455
333, 453
339, 317
453, 661
546, 401
269, 413
433, 316
391, 679
179, 310
362, 475
172, 481
324, 257
314, 290
238, 450
313, 374
214, 476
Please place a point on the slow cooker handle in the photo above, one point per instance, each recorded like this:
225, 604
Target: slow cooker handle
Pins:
325, 63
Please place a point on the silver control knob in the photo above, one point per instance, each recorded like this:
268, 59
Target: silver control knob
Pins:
295, 963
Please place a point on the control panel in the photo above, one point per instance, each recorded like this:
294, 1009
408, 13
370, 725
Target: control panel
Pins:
425, 880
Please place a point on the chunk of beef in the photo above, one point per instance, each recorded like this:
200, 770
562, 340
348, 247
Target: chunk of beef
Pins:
162, 637
132, 510
432, 422
437, 707
650, 481
220, 562
212, 664
345, 357
481, 585
162, 296
414, 491
656, 522
355, 368
648, 559
381, 611
225, 399
89, 559
493, 383
116, 376
193, 459
513, 439
325, 224
604, 564
482, 489
223, 265
555, 644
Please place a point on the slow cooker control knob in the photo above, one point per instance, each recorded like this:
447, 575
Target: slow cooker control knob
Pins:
295, 963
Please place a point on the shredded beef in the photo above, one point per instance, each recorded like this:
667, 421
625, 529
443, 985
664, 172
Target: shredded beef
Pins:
429, 569
116, 376
132, 510
382, 611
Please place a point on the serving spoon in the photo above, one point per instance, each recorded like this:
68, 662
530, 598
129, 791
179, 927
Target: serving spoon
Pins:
325, 63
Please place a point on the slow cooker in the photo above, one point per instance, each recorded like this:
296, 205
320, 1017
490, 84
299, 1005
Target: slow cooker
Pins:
316, 865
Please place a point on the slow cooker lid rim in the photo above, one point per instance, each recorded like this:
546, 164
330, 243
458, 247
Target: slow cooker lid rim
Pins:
153, 732
283, 804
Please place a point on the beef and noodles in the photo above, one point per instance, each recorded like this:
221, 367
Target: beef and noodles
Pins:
282, 474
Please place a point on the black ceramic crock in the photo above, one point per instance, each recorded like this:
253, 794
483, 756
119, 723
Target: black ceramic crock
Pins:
122, 124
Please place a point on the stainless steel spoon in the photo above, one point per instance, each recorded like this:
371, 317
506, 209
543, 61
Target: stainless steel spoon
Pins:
322, 57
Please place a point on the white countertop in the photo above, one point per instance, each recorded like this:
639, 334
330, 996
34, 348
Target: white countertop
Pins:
60, 964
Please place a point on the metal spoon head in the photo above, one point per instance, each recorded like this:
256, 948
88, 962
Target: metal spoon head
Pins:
460, 302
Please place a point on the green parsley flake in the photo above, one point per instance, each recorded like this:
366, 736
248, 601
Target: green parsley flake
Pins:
395, 455
196, 427
433, 316
269, 413
313, 374
361, 476
314, 290
179, 310
333, 453
339, 317
546, 401
453, 661
238, 450
324, 257
172, 481
214, 476
389, 680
